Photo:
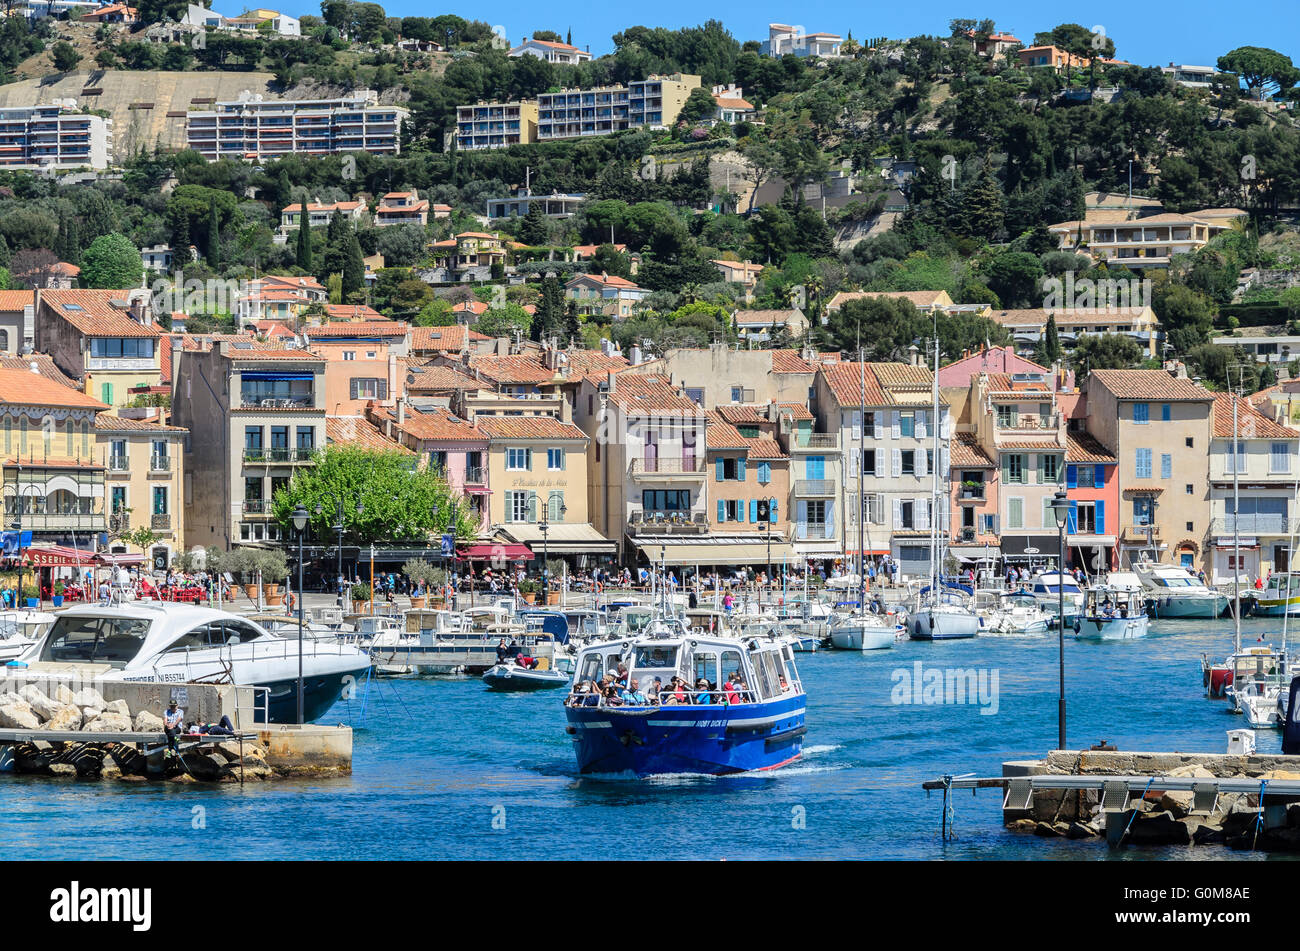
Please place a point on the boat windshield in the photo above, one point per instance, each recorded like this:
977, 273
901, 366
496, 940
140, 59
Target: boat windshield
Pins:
97, 640
1174, 582
1275, 583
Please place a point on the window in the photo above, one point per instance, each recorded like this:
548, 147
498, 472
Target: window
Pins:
1165, 414
106, 393
909, 462
816, 516
160, 500
1188, 442
1279, 457
1015, 513
1085, 476
868, 462
521, 507
117, 499
555, 507
749, 432
1166, 466
1142, 511
1086, 518
907, 513
363, 388
1191, 489
1142, 464
666, 500
555, 460
1006, 417
306, 438
1141, 413
1236, 457
131, 348
731, 510
1015, 466
1051, 468
730, 469
349, 354
519, 459
907, 424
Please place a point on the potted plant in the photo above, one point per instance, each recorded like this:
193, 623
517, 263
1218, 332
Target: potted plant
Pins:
275, 568
419, 572
58, 593
360, 595
32, 595
528, 590
555, 577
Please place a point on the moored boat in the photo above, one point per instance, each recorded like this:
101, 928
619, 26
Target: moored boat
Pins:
1111, 612
511, 676
1174, 592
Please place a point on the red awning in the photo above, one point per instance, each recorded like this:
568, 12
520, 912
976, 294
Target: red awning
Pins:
57, 556
477, 490
495, 553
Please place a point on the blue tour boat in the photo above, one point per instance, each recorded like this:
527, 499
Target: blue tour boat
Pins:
710, 728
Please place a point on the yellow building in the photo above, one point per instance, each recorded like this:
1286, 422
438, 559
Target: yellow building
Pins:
144, 466
102, 338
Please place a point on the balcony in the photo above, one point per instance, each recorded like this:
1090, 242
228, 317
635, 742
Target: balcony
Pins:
476, 475
817, 441
1254, 525
64, 522
814, 488
252, 402
118, 463
1031, 422
257, 506
160, 522
1141, 531
668, 467
668, 523
971, 493
159, 463
814, 531
282, 456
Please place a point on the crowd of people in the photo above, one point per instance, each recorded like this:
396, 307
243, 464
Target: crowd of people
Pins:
616, 688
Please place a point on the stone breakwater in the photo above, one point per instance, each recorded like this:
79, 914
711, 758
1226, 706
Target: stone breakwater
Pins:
62, 708
1156, 816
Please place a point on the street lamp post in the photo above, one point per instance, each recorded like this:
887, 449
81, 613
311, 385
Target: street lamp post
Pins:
1061, 512
300, 519
546, 574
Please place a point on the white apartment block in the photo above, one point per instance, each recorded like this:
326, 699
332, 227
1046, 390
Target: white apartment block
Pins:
53, 137
786, 40
256, 128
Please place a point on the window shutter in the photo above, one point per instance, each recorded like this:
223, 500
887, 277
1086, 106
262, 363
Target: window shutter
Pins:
853, 463
353, 389
830, 520
943, 461
753, 510
740, 468
722, 510
857, 425
528, 459
383, 389
803, 518
898, 514
922, 509
532, 506
1099, 477
1072, 520
878, 508
1071, 477
718, 463
1100, 510
895, 420
772, 513
897, 462
876, 427
879, 463
921, 465
921, 424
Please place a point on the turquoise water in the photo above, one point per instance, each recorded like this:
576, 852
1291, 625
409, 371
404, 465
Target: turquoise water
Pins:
444, 769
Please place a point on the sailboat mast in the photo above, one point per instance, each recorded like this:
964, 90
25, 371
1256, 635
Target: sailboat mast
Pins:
936, 570
862, 445
1236, 526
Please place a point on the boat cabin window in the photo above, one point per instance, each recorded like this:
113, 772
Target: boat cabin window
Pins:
791, 674
730, 664
99, 640
706, 666
656, 656
592, 666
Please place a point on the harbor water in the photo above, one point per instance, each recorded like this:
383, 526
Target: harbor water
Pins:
445, 769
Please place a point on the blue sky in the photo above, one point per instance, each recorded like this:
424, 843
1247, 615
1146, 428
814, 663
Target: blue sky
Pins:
1151, 34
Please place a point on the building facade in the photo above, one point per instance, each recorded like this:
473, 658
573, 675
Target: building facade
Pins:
256, 128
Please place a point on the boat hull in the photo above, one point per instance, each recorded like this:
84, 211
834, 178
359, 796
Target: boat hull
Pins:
504, 677
1276, 607
1193, 608
320, 692
1112, 628
942, 626
712, 740
861, 637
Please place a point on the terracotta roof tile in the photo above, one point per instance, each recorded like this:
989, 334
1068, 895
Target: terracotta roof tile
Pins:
440, 378
456, 337
1147, 385
965, 450
1251, 423
92, 313
107, 423
514, 369
1084, 447
790, 361
355, 431
34, 389
16, 300
636, 395
846, 381
723, 435
371, 328
527, 427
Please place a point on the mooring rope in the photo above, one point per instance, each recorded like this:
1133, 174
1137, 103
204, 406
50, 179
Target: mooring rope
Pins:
1135, 812
1259, 818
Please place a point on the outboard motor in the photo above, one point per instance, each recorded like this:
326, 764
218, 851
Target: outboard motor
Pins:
1291, 729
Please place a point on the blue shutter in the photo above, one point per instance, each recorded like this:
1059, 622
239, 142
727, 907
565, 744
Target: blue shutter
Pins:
722, 510
719, 467
1101, 517
1072, 520
1071, 477
753, 510
1099, 477
1164, 412
771, 515
740, 468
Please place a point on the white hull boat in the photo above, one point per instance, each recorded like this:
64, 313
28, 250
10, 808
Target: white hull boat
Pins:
861, 632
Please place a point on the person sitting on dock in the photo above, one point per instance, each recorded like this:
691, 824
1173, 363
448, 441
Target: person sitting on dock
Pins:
173, 719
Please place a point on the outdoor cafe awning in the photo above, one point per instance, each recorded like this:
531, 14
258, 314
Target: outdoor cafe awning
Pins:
494, 552
560, 539
57, 556
713, 551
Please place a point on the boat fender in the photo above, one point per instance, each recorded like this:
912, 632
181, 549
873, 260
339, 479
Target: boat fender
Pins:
570, 730
1076, 625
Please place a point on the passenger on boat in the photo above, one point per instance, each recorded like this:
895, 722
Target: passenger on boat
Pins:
502, 650
677, 692
702, 695
1107, 609
633, 696
732, 687
622, 675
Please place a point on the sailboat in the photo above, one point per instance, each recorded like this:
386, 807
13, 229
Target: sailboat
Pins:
860, 629
942, 613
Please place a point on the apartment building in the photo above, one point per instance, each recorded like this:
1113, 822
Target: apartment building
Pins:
785, 40
145, 484
561, 54
102, 339
1159, 427
1259, 526
718, 375
320, 214
604, 295
1148, 242
816, 472
647, 465
1193, 77
496, 125
401, 208
54, 136
255, 415
749, 487
973, 487
889, 451
1028, 326
278, 297
472, 253
654, 102
53, 480
1092, 486
256, 128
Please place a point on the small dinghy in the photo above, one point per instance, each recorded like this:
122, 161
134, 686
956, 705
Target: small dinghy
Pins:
510, 676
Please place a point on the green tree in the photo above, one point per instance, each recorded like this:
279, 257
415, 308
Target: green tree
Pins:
304, 239
699, 105
214, 237
354, 267
64, 56
112, 261
1261, 68
533, 229
1104, 352
505, 321
1185, 316
398, 500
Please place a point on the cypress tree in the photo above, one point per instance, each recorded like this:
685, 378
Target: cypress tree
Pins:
354, 267
214, 238
304, 239
1052, 340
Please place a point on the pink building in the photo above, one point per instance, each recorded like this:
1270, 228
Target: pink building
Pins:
1092, 485
993, 360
